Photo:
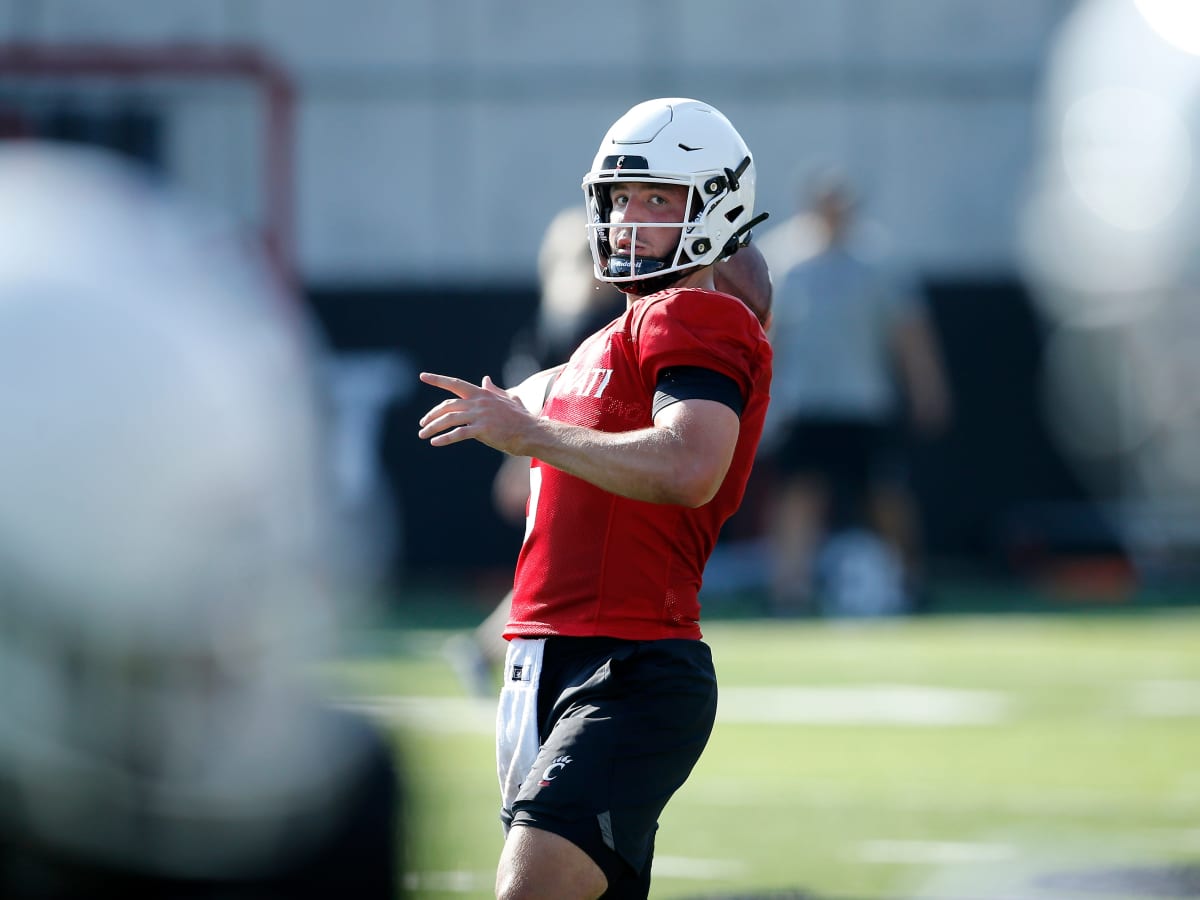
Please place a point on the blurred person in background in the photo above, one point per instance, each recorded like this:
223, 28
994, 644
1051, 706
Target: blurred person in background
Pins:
572, 304
853, 345
641, 451
168, 580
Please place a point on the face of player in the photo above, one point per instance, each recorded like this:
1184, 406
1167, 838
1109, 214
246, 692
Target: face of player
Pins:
635, 202
835, 211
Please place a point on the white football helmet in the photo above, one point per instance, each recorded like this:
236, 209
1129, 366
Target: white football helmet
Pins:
673, 140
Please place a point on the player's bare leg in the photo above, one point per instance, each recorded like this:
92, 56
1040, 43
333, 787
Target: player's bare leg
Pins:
796, 525
893, 514
541, 865
477, 656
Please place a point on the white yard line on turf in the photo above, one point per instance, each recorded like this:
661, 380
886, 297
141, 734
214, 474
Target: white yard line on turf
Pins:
701, 869
880, 704
933, 852
1166, 699
453, 715
450, 882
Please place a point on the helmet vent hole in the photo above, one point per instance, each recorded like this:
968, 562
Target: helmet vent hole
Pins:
734, 213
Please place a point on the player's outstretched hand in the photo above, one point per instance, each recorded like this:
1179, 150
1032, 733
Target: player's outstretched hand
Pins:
482, 412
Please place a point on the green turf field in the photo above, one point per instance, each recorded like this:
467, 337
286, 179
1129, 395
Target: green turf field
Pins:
965, 757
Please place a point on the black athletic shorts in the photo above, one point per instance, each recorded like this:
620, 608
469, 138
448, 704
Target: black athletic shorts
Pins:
621, 724
851, 455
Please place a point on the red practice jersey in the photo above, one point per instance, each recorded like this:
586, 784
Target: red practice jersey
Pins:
594, 563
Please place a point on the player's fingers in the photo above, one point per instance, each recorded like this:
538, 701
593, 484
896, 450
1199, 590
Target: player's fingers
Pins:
452, 437
441, 409
492, 387
434, 423
450, 429
449, 383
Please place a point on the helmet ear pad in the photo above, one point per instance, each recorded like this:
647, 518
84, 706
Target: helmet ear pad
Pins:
599, 210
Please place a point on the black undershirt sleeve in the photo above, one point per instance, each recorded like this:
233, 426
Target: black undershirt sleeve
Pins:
695, 383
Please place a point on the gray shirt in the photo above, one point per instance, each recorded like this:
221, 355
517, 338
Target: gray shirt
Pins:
834, 315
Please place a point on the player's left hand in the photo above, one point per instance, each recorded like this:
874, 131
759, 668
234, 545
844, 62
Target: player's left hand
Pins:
483, 412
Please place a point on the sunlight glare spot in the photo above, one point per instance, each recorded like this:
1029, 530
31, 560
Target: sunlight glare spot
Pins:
1176, 21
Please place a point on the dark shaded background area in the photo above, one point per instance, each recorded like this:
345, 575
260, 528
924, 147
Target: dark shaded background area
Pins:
995, 490
996, 496
451, 529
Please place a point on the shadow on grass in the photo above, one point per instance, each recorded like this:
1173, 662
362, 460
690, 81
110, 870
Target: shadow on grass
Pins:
1137, 881
1168, 882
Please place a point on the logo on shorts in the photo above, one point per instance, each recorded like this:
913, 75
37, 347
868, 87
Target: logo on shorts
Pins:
552, 770
517, 671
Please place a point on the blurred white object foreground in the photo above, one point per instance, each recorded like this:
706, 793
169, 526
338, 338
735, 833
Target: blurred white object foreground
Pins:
165, 578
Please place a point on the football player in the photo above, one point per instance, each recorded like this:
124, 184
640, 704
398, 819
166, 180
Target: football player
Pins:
640, 452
